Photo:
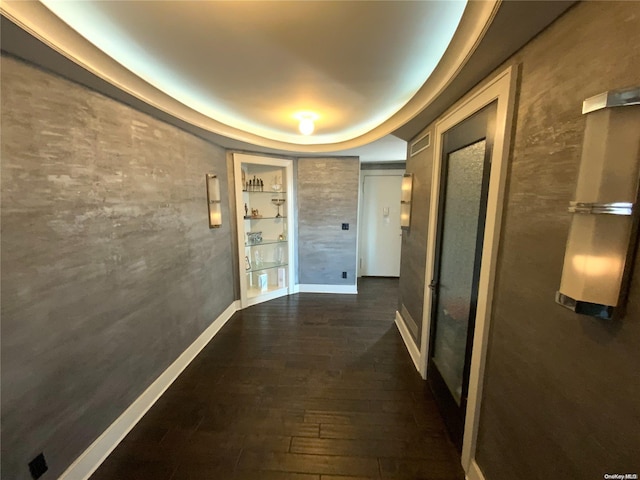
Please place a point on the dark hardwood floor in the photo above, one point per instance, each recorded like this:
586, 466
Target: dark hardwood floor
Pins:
306, 387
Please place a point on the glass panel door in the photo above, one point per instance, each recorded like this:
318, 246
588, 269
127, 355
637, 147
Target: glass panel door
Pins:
463, 187
462, 201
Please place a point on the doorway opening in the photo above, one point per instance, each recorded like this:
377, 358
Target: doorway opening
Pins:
500, 91
380, 232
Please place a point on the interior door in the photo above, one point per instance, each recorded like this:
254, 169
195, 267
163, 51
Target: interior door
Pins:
464, 183
381, 233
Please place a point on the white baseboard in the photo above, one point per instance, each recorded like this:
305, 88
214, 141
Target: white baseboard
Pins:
312, 288
414, 351
265, 297
98, 451
474, 472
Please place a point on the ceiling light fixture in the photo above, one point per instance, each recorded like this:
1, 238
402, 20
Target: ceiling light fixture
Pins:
306, 122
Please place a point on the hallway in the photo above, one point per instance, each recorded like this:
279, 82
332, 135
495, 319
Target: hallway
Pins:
305, 387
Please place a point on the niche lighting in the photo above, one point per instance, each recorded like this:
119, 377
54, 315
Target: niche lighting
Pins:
603, 235
213, 200
405, 201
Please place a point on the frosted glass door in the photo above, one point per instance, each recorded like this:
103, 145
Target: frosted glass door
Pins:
456, 290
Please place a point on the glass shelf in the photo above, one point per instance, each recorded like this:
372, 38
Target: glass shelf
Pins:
266, 266
265, 242
263, 218
271, 192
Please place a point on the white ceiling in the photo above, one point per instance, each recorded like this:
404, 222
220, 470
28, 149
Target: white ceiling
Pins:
244, 69
254, 65
386, 149
236, 72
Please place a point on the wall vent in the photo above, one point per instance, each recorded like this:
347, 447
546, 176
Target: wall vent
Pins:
420, 144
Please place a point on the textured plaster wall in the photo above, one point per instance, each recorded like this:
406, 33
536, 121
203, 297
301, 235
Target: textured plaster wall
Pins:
562, 391
109, 269
327, 197
561, 394
414, 241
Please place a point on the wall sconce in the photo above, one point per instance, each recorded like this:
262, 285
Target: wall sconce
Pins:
213, 200
603, 236
405, 201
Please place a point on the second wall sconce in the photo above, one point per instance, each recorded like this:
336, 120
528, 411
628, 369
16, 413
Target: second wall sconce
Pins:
603, 236
214, 201
405, 201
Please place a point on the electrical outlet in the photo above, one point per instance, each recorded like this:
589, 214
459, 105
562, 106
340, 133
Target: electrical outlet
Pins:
38, 466
344, 274
345, 226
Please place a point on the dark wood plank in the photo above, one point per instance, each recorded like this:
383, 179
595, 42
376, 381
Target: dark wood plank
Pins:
264, 475
306, 387
318, 464
134, 470
428, 448
404, 468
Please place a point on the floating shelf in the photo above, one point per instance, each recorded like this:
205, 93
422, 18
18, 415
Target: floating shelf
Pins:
266, 266
265, 242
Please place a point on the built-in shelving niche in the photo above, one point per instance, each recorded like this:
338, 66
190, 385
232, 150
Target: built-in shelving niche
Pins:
264, 206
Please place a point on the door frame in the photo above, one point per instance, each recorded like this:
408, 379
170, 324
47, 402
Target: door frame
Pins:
500, 88
377, 172
444, 397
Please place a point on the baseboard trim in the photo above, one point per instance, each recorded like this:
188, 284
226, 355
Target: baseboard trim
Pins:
474, 472
312, 288
413, 349
265, 297
98, 451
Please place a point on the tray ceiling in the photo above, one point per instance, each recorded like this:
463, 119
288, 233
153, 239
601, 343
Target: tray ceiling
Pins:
245, 69
236, 72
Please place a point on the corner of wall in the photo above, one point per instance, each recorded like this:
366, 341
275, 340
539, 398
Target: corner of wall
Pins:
89, 461
413, 349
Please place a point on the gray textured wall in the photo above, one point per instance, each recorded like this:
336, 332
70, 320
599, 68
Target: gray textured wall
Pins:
109, 269
414, 254
562, 391
327, 197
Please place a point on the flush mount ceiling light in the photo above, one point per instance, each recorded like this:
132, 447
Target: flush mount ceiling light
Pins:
306, 126
306, 120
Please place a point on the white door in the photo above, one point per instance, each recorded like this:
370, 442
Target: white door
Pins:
381, 236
